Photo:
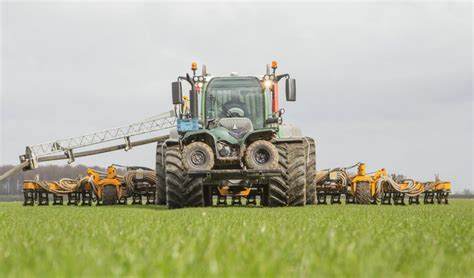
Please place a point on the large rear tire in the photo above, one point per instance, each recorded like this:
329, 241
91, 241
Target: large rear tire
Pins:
362, 193
310, 151
181, 190
297, 176
160, 175
278, 186
109, 195
290, 188
277, 189
194, 192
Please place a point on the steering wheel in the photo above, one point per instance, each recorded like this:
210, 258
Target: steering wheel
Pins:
236, 112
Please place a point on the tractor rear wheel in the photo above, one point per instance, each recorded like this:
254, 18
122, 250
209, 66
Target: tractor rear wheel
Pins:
290, 188
194, 192
362, 193
310, 150
109, 195
160, 175
297, 176
277, 189
278, 186
181, 190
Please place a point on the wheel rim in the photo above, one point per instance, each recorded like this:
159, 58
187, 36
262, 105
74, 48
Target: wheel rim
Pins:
198, 158
261, 156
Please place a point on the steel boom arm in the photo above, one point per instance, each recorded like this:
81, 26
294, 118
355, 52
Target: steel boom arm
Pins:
49, 151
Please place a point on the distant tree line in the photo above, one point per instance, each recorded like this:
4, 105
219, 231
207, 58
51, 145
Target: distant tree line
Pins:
13, 184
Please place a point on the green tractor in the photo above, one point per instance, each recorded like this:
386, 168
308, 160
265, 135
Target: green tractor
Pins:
230, 142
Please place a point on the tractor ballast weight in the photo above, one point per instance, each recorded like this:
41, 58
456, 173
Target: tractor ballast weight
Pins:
230, 141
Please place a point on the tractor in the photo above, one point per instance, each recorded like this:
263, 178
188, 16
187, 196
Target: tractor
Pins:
230, 141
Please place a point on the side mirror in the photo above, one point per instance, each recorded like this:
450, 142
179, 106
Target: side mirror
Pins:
177, 92
290, 89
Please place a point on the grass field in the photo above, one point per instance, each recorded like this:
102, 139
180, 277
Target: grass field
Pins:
346, 240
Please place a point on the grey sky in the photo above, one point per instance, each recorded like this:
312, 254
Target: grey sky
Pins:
389, 84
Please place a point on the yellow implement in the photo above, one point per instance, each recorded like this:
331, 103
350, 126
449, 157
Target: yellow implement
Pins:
110, 188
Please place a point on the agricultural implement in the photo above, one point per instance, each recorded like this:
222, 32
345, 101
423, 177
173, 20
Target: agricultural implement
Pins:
372, 188
105, 188
227, 141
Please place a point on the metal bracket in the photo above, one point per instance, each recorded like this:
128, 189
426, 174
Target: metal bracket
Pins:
128, 144
70, 156
31, 158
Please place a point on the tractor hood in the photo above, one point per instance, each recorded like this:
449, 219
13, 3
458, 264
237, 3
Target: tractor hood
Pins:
232, 130
230, 136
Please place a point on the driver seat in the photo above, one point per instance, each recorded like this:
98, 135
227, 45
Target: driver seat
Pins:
243, 124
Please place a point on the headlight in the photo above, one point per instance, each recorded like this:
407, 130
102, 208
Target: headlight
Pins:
272, 77
195, 79
200, 84
201, 78
268, 83
267, 77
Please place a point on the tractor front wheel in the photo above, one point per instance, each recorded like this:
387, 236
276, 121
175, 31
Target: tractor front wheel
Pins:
198, 156
261, 154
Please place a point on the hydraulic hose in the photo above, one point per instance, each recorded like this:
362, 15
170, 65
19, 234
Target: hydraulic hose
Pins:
132, 177
64, 186
410, 190
69, 185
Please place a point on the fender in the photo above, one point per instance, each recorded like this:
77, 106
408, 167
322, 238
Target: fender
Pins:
202, 134
252, 136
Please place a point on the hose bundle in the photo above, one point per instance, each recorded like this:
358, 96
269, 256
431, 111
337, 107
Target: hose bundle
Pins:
325, 175
64, 186
89, 180
133, 177
69, 185
411, 190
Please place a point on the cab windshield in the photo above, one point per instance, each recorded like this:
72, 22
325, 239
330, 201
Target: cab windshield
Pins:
228, 97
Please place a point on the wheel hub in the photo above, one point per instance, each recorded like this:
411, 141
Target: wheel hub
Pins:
198, 158
262, 156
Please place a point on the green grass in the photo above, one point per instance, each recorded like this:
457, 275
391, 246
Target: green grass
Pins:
346, 240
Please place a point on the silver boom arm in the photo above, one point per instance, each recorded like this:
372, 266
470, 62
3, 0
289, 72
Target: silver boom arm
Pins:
46, 151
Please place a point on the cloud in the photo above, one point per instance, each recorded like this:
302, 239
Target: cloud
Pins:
385, 83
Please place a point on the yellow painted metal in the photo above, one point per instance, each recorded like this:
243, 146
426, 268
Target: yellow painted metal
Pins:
377, 175
28, 185
50, 186
225, 191
111, 179
53, 186
360, 177
443, 186
186, 106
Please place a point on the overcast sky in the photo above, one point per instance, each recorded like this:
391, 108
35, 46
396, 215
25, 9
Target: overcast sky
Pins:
386, 84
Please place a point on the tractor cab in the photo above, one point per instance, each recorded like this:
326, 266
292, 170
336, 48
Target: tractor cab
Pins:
250, 97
